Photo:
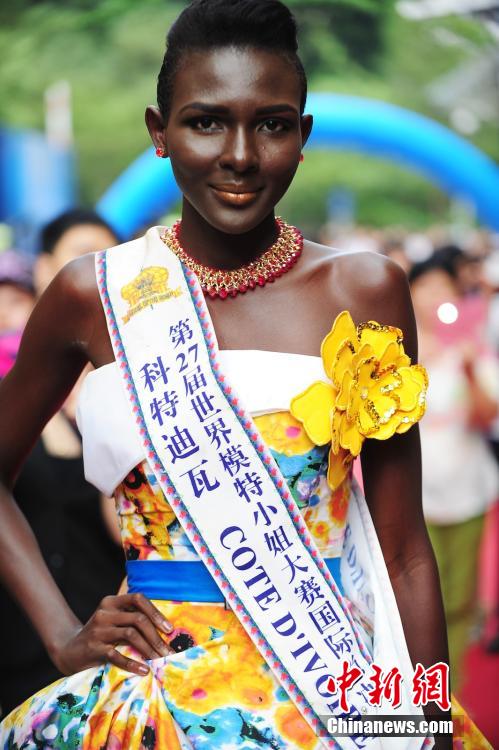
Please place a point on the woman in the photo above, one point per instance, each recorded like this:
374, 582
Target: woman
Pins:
231, 97
17, 299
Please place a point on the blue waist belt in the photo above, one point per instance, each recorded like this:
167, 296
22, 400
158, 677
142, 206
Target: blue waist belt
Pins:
186, 580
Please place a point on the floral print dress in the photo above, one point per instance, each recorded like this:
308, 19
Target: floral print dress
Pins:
216, 692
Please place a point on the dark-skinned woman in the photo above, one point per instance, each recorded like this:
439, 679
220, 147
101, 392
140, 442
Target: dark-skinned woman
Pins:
236, 378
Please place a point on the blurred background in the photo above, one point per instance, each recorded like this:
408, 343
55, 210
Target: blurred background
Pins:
75, 77
404, 161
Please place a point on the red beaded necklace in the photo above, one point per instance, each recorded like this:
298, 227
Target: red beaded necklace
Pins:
274, 262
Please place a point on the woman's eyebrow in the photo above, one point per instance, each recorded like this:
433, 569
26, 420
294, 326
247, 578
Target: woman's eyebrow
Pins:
223, 110
272, 108
205, 107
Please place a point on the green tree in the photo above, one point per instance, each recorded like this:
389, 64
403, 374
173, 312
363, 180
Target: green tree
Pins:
110, 51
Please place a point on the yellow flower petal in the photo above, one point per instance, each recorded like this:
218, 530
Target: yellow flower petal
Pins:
350, 437
408, 418
387, 430
382, 413
335, 430
364, 354
338, 467
343, 330
386, 407
390, 356
410, 389
419, 373
361, 387
404, 360
342, 364
343, 397
354, 402
387, 383
313, 408
367, 419
366, 373
378, 336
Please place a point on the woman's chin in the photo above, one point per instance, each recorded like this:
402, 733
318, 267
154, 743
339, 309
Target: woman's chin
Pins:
236, 219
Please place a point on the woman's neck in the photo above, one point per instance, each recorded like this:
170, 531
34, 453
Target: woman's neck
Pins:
212, 247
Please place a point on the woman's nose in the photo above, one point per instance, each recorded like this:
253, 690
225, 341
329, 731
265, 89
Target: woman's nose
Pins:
240, 153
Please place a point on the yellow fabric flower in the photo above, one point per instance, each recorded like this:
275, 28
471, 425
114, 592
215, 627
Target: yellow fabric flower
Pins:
374, 391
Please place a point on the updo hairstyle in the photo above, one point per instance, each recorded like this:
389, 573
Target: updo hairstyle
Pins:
214, 24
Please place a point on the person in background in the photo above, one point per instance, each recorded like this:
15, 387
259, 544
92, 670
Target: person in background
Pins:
491, 280
71, 521
460, 475
17, 297
393, 247
74, 233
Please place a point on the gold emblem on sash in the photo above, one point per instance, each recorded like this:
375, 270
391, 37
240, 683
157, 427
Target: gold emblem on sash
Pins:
148, 288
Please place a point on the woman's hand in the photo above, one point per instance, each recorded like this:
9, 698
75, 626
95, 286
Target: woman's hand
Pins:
127, 619
483, 408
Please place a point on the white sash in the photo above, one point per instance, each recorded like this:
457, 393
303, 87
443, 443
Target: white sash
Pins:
234, 504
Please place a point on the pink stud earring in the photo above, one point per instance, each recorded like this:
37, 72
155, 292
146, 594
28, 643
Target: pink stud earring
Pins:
302, 157
160, 152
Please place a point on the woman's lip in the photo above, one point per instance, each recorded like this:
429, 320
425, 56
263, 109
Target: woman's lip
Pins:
235, 199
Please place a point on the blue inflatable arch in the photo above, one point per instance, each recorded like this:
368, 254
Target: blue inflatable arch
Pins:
147, 188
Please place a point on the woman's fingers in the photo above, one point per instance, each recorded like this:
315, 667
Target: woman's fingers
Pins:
124, 662
134, 620
140, 603
129, 619
131, 636
124, 621
141, 623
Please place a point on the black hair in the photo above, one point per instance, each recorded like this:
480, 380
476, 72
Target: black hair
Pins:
451, 257
436, 262
55, 229
212, 24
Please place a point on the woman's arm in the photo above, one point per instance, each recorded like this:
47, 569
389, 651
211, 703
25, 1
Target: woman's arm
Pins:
48, 363
392, 484
53, 352
483, 409
392, 480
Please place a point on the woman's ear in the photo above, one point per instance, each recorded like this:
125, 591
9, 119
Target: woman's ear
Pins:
306, 123
156, 128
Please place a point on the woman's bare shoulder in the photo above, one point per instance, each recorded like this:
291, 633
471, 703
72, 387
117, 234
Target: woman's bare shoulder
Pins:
76, 284
369, 285
369, 272
70, 306
77, 278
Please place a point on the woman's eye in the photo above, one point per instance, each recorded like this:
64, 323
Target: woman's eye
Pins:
204, 123
274, 126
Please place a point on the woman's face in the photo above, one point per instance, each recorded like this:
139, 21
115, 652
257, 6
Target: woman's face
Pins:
428, 292
79, 240
234, 134
16, 304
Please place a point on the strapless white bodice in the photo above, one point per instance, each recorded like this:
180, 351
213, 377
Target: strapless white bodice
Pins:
264, 381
